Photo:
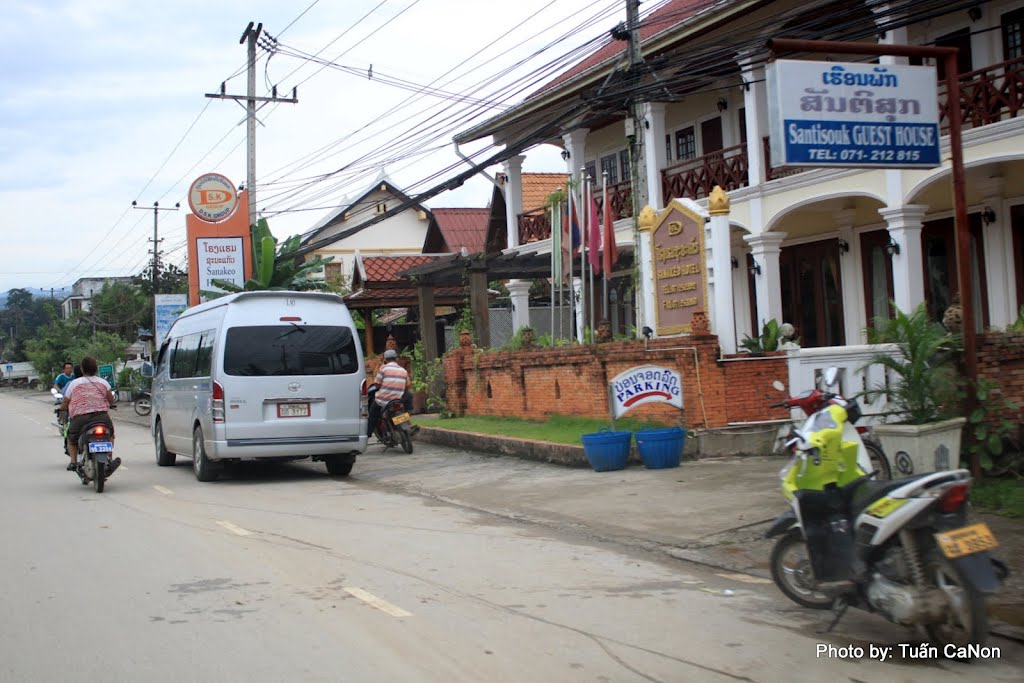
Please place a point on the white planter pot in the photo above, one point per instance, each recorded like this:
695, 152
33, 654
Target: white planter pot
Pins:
919, 449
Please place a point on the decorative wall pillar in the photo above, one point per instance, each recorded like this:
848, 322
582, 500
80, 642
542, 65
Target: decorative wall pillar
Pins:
645, 262
654, 144
765, 249
854, 310
519, 291
905, 224
722, 318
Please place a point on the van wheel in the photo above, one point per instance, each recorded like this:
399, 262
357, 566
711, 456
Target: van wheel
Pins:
204, 468
339, 465
164, 458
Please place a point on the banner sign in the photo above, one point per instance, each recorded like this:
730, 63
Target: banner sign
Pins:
220, 258
167, 309
680, 268
645, 384
825, 114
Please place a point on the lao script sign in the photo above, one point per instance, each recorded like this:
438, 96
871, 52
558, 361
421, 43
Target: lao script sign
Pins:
852, 115
645, 384
680, 272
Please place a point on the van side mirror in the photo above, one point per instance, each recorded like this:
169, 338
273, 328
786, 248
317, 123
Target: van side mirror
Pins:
147, 369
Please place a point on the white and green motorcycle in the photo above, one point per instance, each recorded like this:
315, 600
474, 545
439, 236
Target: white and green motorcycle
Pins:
902, 548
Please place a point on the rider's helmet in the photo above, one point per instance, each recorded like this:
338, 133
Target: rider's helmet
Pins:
390, 354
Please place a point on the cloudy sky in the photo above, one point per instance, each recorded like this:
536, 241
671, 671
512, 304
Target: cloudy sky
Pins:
103, 103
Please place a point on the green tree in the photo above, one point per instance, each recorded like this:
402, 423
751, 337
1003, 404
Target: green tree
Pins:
120, 308
20, 319
71, 340
170, 280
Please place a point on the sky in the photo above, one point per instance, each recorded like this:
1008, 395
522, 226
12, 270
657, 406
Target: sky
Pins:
103, 104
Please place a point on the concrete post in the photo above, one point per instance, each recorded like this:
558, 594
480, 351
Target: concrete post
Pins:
654, 143
998, 246
723, 319
755, 114
854, 319
576, 144
904, 224
519, 291
513, 198
765, 248
478, 307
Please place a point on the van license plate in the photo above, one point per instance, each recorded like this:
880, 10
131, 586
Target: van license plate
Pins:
400, 418
966, 540
293, 410
101, 447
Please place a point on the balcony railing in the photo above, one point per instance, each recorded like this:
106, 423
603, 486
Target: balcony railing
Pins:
534, 225
695, 178
620, 196
987, 95
773, 172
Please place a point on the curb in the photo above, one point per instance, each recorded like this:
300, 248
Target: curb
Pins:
528, 449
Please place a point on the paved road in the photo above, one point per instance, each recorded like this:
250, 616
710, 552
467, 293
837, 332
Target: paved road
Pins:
284, 573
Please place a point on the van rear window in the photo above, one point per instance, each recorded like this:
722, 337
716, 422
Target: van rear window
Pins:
289, 350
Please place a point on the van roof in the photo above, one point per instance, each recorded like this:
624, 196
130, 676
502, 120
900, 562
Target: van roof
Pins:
266, 294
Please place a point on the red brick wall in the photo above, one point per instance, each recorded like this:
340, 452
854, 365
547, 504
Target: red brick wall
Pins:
573, 380
1001, 360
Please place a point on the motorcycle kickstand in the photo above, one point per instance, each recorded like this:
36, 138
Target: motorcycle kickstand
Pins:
839, 606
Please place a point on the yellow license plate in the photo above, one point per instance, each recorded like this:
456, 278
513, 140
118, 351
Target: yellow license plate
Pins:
400, 418
966, 540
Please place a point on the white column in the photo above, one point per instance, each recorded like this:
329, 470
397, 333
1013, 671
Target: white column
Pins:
998, 245
904, 224
854, 314
645, 286
513, 197
519, 291
575, 142
756, 115
654, 143
765, 249
893, 36
985, 42
722, 319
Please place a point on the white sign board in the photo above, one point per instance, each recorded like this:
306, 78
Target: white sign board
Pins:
220, 258
827, 114
167, 309
644, 384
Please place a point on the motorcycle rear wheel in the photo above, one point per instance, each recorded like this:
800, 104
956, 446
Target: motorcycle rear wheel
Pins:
792, 573
967, 620
98, 472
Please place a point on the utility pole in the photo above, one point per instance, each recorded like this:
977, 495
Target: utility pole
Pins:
154, 279
635, 127
252, 35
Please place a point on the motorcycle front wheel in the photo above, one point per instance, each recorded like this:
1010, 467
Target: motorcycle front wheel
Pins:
143, 406
879, 463
792, 573
406, 440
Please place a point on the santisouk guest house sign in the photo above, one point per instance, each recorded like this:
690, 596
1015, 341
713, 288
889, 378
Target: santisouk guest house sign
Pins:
826, 114
644, 384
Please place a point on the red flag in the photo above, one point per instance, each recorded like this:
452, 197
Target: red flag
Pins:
611, 252
594, 234
566, 242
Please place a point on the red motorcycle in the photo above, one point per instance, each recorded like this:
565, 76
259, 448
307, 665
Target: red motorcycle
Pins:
813, 400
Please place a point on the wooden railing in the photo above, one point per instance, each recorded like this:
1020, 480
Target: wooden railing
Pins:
695, 178
534, 225
620, 196
987, 95
771, 172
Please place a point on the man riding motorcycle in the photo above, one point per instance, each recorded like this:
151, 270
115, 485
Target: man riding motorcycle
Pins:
392, 384
87, 400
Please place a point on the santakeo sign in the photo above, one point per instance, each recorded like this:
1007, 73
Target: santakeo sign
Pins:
644, 384
826, 114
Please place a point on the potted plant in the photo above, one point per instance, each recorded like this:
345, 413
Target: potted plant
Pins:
921, 391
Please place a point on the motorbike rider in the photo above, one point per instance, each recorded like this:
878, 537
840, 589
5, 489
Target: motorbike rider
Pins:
391, 384
62, 380
87, 400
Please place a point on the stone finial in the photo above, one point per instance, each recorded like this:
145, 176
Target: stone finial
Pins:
648, 217
718, 202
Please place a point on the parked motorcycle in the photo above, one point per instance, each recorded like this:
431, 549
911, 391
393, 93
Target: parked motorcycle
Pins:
95, 455
812, 401
901, 548
143, 403
395, 424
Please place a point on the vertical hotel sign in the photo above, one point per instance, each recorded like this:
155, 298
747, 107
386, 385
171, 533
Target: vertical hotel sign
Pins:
680, 271
219, 241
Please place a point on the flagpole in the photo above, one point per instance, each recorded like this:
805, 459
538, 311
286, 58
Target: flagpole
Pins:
554, 276
583, 257
593, 296
604, 210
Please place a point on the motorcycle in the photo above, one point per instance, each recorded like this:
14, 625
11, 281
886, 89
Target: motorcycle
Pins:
60, 416
143, 403
96, 455
813, 400
395, 424
901, 548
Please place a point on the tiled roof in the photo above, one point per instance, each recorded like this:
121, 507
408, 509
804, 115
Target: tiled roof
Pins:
393, 297
463, 228
672, 13
537, 187
386, 268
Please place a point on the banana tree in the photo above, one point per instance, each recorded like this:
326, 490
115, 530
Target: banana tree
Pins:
275, 265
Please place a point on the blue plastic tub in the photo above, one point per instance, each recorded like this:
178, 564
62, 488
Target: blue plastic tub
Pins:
661, 448
607, 451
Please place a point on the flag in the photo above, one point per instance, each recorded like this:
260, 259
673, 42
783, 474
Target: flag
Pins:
572, 227
594, 233
611, 252
568, 244
557, 257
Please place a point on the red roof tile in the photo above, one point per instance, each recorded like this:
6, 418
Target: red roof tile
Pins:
394, 297
672, 13
463, 228
537, 187
386, 268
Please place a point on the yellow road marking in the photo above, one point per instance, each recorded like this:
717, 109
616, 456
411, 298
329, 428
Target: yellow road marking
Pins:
234, 528
373, 601
161, 489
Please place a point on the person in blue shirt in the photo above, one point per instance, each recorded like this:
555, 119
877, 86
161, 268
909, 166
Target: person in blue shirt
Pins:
63, 378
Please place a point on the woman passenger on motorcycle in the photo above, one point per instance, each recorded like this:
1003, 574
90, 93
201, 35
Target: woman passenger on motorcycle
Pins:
87, 399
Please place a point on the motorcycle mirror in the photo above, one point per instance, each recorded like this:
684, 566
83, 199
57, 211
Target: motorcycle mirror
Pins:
55, 393
830, 376
778, 386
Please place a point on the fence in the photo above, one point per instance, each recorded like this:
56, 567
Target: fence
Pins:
855, 375
501, 325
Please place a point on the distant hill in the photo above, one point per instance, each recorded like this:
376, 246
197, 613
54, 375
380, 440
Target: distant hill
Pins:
58, 294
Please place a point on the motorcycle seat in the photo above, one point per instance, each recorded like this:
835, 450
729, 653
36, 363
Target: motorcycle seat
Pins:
871, 490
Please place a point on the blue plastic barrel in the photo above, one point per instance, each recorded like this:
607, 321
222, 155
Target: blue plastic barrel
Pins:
607, 451
661, 448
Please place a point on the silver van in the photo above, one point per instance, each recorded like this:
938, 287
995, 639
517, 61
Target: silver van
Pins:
260, 375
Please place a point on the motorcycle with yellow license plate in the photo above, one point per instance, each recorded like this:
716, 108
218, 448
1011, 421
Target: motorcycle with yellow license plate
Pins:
902, 548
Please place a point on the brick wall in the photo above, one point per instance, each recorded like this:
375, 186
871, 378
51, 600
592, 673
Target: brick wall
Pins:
1001, 360
573, 380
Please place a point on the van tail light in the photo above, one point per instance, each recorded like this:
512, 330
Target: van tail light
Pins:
954, 498
364, 409
217, 409
362, 388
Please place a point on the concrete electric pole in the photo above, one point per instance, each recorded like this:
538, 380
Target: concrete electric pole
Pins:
635, 125
252, 35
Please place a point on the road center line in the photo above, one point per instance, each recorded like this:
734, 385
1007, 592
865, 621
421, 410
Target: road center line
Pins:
373, 601
233, 528
162, 489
